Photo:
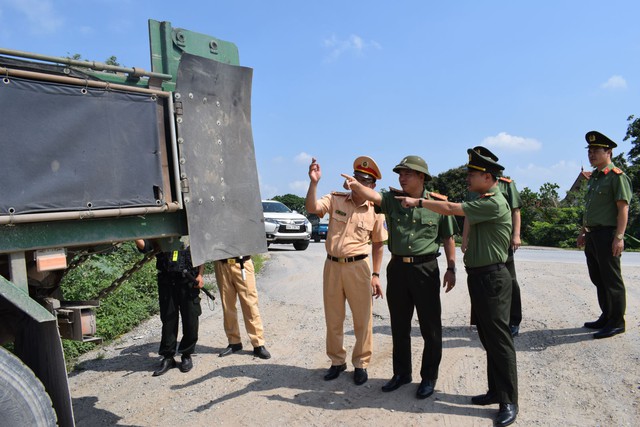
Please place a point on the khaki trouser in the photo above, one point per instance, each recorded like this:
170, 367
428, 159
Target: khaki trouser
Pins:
232, 286
351, 282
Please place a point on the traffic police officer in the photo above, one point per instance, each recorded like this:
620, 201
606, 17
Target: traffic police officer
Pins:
508, 189
488, 279
179, 286
413, 277
236, 280
353, 224
602, 234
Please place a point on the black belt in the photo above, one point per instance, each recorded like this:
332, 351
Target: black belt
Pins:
485, 269
347, 259
415, 259
592, 228
238, 259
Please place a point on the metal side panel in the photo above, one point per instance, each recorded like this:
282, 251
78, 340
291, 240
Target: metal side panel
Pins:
220, 177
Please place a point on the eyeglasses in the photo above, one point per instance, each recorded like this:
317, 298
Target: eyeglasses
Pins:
364, 181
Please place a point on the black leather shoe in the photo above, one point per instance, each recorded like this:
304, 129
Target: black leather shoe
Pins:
166, 364
360, 376
395, 382
608, 332
485, 399
515, 330
261, 352
231, 348
187, 363
598, 324
507, 414
334, 372
425, 389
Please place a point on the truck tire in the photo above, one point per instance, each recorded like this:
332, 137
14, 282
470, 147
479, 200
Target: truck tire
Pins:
301, 246
23, 400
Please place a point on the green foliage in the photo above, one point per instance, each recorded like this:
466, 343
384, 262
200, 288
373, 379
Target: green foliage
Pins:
633, 133
452, 183
293, 202
132, 302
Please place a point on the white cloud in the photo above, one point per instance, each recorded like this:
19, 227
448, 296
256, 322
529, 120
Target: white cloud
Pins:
511, 142
563, 173
40, 14
354, 44
615, 82
303, 158
299, 186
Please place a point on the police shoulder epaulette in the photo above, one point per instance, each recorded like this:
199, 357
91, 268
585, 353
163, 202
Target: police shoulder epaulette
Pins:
505, 179
438, 196
339, 193
617, 171
395, 190
487, 195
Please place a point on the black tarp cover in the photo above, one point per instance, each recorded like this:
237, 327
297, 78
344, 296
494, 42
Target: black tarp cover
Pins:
66, 147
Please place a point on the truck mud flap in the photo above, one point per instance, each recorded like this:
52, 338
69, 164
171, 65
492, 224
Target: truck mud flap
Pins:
218, 164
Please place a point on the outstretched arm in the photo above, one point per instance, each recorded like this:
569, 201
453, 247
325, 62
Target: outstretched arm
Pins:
362, 191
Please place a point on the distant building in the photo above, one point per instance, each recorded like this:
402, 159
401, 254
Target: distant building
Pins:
584, 176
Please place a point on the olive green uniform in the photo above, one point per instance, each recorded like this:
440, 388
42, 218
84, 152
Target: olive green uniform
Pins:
490, 287
510, 192
413, 280
604, 189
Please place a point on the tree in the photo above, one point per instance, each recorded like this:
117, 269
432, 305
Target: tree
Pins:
633, 133
452, 183
293, 202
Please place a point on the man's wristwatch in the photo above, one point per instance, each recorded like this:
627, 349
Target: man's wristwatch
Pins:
375, 274
620, 236
420, 202
452, 269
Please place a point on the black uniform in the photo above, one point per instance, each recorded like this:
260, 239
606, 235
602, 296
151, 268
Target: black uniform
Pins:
177, 297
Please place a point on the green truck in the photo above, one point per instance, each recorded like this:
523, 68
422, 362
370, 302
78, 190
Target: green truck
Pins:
94, 155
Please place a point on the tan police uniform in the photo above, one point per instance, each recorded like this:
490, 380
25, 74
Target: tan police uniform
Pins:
347, 273
233, 286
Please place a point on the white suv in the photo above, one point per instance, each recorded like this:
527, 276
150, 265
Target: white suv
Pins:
284, 226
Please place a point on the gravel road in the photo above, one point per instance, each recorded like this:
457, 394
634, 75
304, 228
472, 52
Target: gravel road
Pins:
565, 377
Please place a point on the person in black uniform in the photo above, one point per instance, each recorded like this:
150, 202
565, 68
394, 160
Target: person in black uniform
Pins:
179, 295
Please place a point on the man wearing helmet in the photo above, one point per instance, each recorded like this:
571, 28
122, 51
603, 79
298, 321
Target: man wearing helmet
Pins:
413, 277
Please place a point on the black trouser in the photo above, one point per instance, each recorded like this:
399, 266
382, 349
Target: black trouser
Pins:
490, 303
178, 298
605, 273
516, 303
409, 286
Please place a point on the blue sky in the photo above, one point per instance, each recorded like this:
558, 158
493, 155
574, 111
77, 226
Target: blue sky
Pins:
338, 79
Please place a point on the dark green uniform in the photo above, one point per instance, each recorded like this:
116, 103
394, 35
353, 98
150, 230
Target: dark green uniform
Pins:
489, 282
178, 298
604, 189
510, 192
413, 280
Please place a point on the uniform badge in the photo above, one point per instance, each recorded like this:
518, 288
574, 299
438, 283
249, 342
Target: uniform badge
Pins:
339, 212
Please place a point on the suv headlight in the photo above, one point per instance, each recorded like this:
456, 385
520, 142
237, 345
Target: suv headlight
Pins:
271, 220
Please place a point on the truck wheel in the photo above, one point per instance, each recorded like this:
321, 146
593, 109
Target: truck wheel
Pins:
301, 246
23, 401
316, 239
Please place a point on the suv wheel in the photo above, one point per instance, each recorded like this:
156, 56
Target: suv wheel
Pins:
301, 246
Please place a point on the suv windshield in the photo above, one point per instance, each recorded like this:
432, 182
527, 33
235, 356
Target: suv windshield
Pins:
275, 207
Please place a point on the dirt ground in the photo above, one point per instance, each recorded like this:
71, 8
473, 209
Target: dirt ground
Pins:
565, 377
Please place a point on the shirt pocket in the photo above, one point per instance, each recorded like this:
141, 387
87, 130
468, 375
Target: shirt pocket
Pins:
429, 222
363, 226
